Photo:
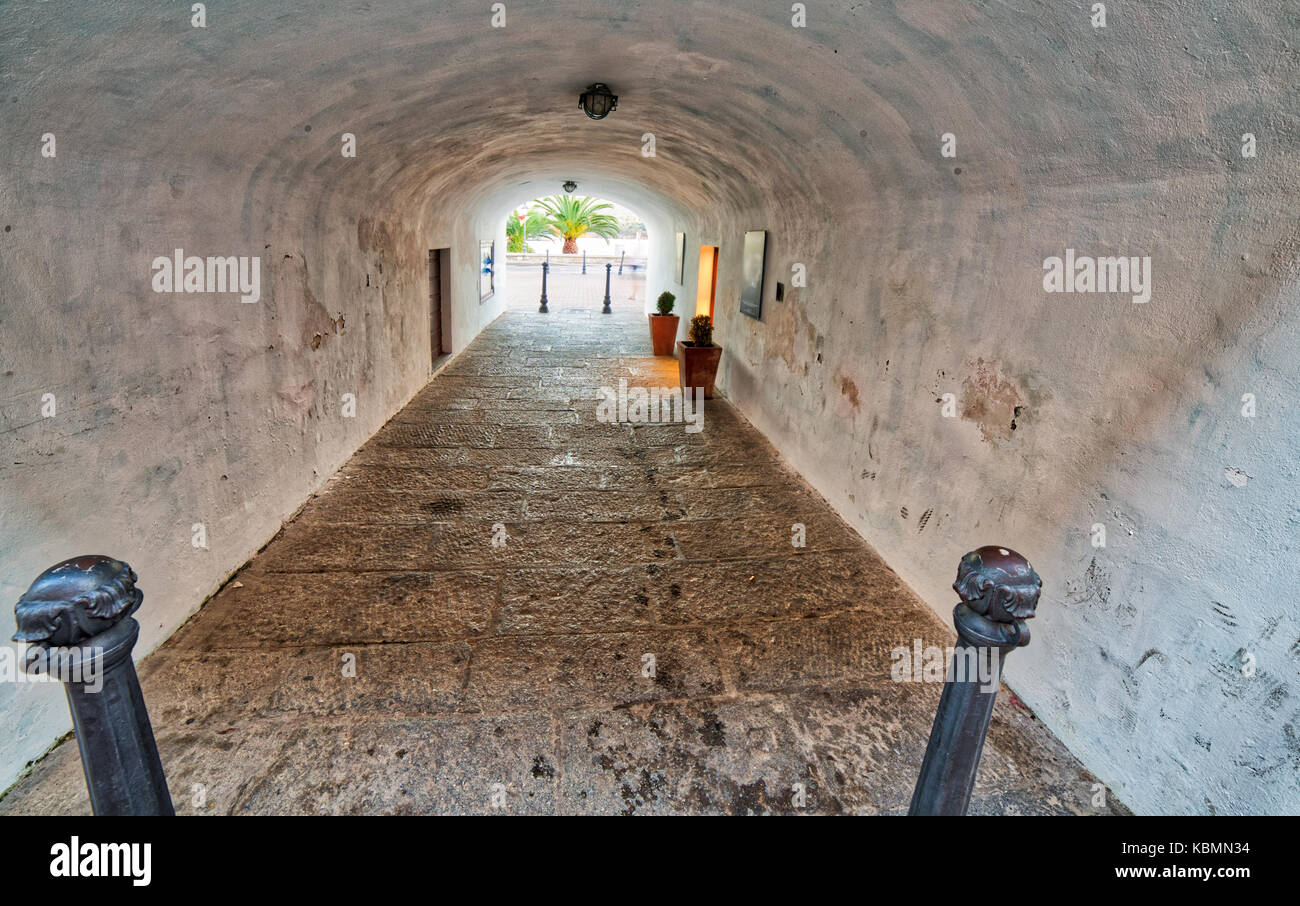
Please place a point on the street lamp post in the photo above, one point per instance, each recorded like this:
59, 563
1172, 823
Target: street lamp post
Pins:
546, 269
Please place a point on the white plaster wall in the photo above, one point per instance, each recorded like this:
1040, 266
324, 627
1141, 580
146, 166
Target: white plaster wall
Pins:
922, 280
181, 409
1131, 419
1168, 659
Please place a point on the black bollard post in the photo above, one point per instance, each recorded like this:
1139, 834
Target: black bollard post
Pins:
999, 591
607, 310
546, 269
77, 620
620, 262
584, 261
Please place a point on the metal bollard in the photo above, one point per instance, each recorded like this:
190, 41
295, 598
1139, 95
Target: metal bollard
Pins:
76, 619
546, 269
607, 310
584, 262
999, 590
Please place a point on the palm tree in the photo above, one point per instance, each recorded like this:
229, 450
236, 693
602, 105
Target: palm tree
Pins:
570, 217
532, 224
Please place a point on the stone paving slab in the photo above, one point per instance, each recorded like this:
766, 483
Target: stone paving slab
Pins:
398, 506
403, 477
465, 766
786, 586
457, 544
722, 538
673, 474
523, 479
502, 604
697, 757
335, 608
648, 505
571, 600
419, 678
846, 650
440, 458
521, 673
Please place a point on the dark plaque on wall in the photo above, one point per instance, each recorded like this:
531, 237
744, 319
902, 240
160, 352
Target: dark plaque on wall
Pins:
751, 277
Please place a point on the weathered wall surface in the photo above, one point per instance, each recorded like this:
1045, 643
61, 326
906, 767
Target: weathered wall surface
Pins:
177, 410
924, 279
1167, 660
171, 410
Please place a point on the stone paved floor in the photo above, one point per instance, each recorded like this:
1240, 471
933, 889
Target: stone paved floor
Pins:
517, 671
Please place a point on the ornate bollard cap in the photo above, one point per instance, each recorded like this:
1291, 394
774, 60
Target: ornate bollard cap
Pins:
1000, 586
76, 599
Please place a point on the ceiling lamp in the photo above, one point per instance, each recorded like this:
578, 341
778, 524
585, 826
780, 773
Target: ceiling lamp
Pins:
598, 101
569, 186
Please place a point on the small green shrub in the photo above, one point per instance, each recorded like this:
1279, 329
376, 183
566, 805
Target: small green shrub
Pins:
665, 303
702, 330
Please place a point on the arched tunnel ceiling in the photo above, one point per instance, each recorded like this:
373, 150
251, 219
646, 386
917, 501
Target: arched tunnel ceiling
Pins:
743, 106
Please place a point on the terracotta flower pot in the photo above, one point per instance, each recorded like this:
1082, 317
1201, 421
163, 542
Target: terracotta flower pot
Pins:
698, 366
663, 330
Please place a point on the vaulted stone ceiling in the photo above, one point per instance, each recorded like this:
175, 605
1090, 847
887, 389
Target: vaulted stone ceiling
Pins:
742, 104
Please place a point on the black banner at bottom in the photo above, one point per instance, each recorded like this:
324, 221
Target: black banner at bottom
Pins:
329, 856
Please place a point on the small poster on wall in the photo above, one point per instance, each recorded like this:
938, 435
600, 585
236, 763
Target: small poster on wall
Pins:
487, 259
681, 258
751, 276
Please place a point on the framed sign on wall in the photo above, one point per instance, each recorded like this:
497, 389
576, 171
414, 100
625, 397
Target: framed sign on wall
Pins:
751, 276
681, 258
487, 266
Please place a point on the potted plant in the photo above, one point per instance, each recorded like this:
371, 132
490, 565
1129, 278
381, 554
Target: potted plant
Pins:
697, 358
663, 326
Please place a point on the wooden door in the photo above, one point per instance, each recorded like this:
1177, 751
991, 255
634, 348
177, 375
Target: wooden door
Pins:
435, 305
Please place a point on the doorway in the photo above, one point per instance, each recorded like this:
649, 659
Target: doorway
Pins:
599, 233
707, 283
439, 314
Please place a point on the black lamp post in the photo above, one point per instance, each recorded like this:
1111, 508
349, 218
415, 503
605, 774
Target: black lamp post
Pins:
546, 269
598, 101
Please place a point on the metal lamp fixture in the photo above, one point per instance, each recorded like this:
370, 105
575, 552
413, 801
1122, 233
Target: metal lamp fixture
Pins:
569, 186
598, 101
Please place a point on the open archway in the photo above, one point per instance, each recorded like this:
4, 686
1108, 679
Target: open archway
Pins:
601, 233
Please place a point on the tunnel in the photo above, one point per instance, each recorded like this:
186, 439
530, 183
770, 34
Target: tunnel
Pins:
915, 166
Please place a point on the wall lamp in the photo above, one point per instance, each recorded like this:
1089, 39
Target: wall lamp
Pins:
598, 101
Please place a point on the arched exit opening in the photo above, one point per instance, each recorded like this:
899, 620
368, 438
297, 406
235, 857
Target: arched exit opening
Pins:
581, 240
